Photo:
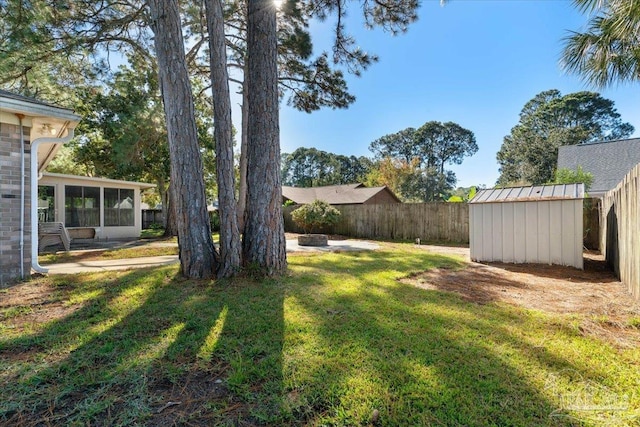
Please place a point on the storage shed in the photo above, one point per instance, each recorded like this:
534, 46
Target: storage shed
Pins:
538, 224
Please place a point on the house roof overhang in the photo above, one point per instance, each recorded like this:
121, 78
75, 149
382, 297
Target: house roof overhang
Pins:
98, 181
45, 120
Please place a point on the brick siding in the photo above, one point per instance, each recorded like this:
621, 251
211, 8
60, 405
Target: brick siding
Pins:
10, 205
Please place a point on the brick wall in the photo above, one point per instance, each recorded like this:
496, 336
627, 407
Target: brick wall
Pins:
10, 205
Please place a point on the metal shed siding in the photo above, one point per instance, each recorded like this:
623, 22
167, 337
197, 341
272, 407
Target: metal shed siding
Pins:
547, 231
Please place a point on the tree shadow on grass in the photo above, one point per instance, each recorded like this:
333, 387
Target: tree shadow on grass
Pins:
143, 341
419, 357
149, 348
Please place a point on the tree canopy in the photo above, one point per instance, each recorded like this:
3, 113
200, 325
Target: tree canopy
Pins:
412, 161
310, 167
568, 176
529, 154
40, 39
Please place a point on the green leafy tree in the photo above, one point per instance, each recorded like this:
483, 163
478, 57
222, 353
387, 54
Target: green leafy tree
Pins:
65, 161
608, 51
463, 194
529, 154
419, 156
310, 167
315, 215
569, 176
353, 169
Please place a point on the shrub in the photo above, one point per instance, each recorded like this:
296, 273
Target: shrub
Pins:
578, 176
316, 214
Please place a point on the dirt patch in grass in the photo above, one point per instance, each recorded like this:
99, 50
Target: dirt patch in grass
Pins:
602, 305
189, 401
32, 302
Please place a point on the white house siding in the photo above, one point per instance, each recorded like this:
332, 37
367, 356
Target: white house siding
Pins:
544, 231
102, 232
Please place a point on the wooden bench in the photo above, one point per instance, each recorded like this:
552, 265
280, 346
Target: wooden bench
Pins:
53, 233
82, 233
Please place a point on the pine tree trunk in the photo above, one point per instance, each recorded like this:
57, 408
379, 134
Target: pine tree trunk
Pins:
230, 248
170, 227
264, 241
242, 192
198, 258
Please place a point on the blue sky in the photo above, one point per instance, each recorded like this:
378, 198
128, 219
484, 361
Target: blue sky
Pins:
475, 63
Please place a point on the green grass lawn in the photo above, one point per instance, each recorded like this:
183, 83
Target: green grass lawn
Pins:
338, 341
106, 254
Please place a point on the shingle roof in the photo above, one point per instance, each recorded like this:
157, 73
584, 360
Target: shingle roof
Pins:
607, 161
11, 95
527, 194
10, 101
334, 194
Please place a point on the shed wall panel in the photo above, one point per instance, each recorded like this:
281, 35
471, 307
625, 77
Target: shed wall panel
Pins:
530, 226
496, 232
519, 233
544, 252
508, 234
578, 235
543, 231
487, 229
555, 232
567, 233
475, 232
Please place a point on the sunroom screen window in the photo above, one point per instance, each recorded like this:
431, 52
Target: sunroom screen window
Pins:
82, 206
118, 207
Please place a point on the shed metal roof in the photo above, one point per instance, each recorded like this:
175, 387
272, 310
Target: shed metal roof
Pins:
528, 194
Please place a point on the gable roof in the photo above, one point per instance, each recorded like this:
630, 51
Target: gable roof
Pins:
346, 194
529, 194
607, 161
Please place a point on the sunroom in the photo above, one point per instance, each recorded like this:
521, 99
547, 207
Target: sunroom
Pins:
91, 208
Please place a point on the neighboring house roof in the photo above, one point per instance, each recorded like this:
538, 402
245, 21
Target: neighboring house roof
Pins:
528, 194
95, 180
607, 161
346, 194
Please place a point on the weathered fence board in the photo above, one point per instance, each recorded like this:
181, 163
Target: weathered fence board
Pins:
438, 221
152, 216
620, 230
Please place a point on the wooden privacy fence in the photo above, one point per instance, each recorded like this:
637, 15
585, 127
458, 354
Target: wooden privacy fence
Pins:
152, 216
620, 230
437, 221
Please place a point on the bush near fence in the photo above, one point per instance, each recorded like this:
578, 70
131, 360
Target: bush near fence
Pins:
438, 221
620, 230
